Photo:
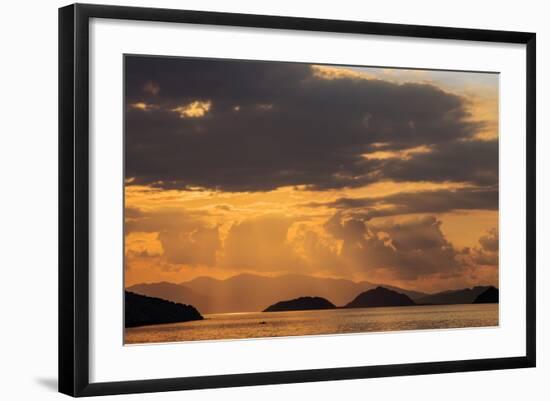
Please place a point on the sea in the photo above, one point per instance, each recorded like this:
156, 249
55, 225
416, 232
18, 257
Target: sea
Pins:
228, 326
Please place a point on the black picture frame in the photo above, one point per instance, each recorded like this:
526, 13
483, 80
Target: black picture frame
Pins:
74, 200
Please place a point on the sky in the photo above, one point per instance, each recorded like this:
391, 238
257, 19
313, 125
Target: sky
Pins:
377, 174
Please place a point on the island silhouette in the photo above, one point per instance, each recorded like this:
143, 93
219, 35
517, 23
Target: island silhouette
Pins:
489, 296
141, 310
302, 303
379, 297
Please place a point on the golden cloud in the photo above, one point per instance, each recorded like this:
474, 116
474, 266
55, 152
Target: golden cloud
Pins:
329, 73
143, 106
194, 109
404, 154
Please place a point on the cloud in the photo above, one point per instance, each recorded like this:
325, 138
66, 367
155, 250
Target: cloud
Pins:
318, 252
435, 201
346, 245
489, 242
195, 247
487, 253
143, 106
404, 154
401, 251
294, 127
414, 250
151, 88
132, 213
194, 109
474, 162
184, 237
261, 244
327, 72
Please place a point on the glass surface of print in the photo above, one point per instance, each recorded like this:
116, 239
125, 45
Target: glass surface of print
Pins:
269, 199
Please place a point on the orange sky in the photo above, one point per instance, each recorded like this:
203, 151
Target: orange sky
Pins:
393, 230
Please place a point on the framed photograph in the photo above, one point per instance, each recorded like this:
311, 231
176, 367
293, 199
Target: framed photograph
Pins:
249, 199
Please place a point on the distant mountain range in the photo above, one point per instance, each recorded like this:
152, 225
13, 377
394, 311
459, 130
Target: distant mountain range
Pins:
302, 303
173, 292
463, 296
253, 293
140, 310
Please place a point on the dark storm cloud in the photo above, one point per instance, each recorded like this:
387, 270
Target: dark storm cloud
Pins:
465, 161
276, 124
228, 81
438, 201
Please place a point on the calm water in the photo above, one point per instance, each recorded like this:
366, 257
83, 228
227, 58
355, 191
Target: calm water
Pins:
336, 321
